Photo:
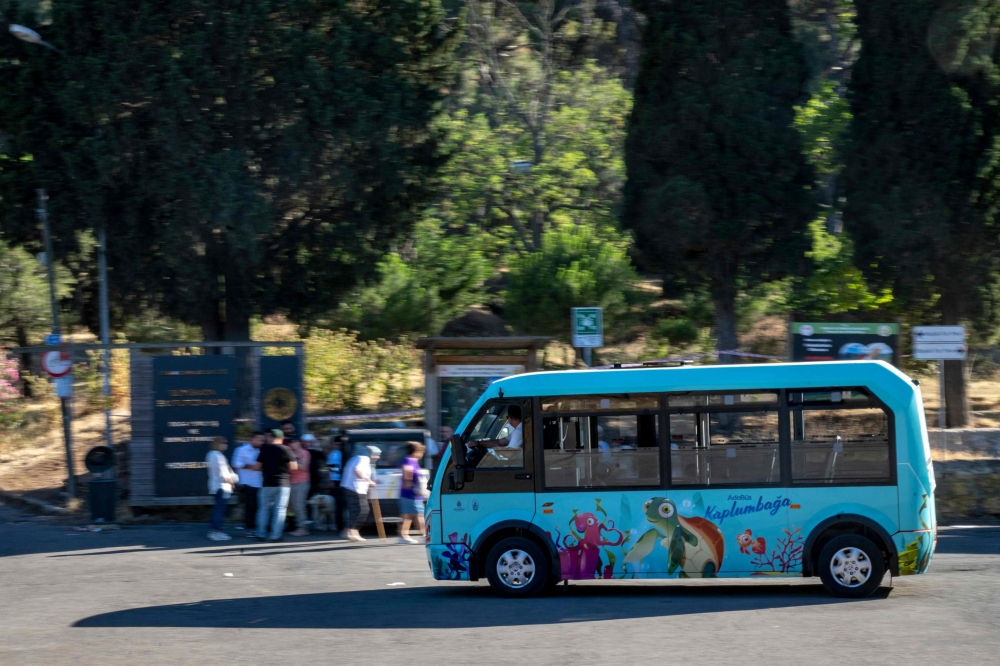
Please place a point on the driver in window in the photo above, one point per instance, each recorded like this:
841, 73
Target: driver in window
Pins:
514, 441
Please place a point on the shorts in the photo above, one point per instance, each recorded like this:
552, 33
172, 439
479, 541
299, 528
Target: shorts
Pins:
411, 507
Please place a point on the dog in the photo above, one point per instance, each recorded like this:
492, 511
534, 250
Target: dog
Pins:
322, 508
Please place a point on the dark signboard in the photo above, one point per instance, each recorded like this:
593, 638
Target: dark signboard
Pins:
281, 391
193, 404
819, 341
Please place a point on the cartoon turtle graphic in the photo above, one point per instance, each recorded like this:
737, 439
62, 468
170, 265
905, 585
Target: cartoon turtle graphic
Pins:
694, 545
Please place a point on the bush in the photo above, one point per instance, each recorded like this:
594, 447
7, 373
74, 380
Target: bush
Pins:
676, 331
577, 266
11, 404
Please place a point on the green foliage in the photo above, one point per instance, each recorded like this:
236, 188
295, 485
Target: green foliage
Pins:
245, 158
822, 122
444, 277
344, 373
923, 166
577, 266
25, 312
718, 189
834, 286
676, 331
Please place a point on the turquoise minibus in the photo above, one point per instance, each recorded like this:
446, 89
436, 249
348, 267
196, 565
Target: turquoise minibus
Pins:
791, 469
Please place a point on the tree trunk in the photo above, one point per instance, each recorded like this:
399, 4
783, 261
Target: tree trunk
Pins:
725, 322
957, 411
25, 369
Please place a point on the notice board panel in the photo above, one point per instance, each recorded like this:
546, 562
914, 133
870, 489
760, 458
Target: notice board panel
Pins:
194, 403
821, 341
281, 391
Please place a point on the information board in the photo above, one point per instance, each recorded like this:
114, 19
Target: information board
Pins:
193, 403
939, 343
821, 341
587, 326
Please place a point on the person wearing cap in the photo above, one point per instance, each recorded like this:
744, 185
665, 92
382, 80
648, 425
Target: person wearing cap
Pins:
356, 480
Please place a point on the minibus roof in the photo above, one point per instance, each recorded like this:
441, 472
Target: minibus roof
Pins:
886, 381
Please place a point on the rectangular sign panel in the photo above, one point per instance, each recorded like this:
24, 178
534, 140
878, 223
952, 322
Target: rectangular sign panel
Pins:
951, 334
193, 403
940, 351
587, 326
822, 341
495, 371
281, 392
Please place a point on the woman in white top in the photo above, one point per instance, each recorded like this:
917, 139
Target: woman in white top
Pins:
221, 479
355, 481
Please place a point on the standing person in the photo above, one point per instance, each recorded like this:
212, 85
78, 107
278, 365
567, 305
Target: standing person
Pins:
300, 487
276, 464
411, 499
335, 462
288, 430
244, 458
221, 478
356, 481
446, 434
316, 458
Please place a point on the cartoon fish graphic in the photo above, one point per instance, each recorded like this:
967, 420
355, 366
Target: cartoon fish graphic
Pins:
748, 543
695, 546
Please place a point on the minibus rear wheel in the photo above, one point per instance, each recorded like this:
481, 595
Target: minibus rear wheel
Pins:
851, 566
517, 567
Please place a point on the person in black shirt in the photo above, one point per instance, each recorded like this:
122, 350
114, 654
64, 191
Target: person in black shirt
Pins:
276, 463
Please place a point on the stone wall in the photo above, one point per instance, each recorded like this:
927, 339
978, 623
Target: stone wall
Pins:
967, 469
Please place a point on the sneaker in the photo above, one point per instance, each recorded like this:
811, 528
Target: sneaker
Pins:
219, 536
406, 539
239, 528
300, 532
354, 536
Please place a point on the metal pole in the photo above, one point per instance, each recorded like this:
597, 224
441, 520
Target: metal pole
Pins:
102, 271
942, 420
43, 219
586, 356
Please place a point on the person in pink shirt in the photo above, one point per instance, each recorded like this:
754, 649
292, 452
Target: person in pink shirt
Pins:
300, 487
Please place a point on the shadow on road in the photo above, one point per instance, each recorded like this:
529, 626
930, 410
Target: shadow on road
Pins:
468, 607
973, 540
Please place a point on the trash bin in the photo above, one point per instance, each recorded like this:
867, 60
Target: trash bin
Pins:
103, 500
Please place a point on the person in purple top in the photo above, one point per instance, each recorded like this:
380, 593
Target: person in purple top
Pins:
411, 492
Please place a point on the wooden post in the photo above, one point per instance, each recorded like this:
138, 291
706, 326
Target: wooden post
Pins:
379, 525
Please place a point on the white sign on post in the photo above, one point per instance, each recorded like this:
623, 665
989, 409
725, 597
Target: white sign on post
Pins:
57, 363
939, 343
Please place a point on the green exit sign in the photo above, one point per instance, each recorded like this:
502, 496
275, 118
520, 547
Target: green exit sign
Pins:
587, 325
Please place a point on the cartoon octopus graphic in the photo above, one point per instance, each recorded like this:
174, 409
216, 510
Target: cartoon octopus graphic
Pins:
582, 559
748, 543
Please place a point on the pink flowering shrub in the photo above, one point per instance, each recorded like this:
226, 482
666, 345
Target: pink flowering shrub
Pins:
11, 407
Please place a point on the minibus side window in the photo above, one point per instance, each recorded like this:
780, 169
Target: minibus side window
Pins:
601, 451
837, 446
718, 444
507, 442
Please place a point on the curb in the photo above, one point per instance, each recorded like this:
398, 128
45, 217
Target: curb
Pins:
31, 503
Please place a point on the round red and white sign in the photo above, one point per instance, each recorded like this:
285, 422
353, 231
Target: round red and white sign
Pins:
57, 363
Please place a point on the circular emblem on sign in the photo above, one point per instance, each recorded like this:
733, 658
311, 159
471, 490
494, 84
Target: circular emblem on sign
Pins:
280, 404
884, 330
806, 330
57, 363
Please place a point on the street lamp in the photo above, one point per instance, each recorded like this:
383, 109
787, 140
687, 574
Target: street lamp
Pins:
30, 36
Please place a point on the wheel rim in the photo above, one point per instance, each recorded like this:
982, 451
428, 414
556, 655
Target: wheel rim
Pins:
516, 568
851, 567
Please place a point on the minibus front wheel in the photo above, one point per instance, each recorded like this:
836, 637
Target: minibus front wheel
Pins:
851, 566
517, 567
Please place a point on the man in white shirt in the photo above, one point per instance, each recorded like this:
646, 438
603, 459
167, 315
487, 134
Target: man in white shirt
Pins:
244, 457
513, 441
356, 480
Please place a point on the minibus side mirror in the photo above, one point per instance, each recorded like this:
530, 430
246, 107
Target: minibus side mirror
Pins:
458, 462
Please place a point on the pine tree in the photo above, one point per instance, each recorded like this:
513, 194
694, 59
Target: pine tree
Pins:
718, 190
246, 158
921, 172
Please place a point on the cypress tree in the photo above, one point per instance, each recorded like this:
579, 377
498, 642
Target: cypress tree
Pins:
921, 176
246, 158
718, 189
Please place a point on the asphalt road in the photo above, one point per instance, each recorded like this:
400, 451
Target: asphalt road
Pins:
165, 595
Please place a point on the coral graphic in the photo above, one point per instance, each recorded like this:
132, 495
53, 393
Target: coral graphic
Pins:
455, 559
695, 546
784, 559
748, 543
916, 557
580, 549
